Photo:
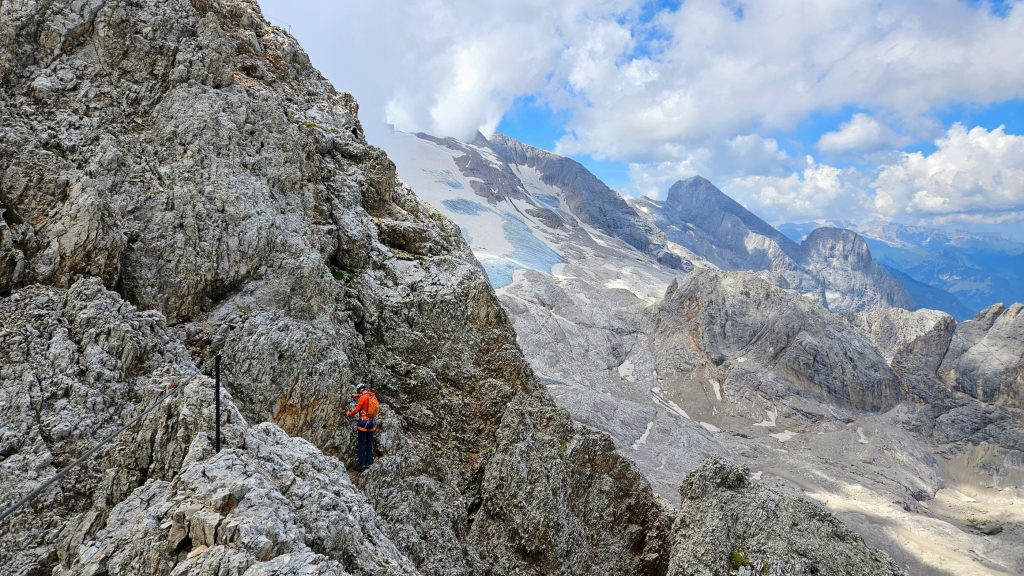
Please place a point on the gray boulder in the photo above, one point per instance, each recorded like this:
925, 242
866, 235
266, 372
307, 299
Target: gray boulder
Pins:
729, 523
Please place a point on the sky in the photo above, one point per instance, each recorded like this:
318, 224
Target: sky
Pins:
903, 110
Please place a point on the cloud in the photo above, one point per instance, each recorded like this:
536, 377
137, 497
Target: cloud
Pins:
763, 178
637, 88
971, 171
816, 191
453, 67
744, 155
1002, 218
861, 133
720, 74
697, 89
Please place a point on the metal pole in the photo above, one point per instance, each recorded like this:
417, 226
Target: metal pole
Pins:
216, 362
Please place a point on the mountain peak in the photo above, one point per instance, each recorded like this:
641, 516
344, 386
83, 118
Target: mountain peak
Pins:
696, 179
697, 201
695, 187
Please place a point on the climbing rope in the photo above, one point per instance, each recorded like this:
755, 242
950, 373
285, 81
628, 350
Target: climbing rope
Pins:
63, 472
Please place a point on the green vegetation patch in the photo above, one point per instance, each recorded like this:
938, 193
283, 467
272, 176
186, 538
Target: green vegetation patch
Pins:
737, 560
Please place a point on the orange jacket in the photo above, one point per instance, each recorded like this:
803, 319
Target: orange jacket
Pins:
361, 406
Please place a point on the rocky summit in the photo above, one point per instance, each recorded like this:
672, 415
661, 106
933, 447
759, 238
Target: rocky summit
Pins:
178, 183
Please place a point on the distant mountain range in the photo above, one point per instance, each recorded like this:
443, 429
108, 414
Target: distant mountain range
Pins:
831, 265
954, 271
689, 327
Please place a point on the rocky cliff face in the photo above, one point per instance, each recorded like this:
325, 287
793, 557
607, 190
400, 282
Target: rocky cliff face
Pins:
789, 344
851, 280
985, 358
183, 163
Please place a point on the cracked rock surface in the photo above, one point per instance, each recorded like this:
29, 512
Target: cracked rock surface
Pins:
729, 523
176, 182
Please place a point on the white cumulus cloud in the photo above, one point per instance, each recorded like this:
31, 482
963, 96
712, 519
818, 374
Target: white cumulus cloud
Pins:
452, 67
816, 191
743, 155
861, 133
971, 171
719, 74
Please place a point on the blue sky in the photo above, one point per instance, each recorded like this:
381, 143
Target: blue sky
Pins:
907, 110
531, 121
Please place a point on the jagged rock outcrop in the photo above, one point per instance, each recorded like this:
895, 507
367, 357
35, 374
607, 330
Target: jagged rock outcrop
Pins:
985, 358
851, 280
74, 365
729, 523
187, 157
945, 367
833, 266
913, 343
267, 503
789, 346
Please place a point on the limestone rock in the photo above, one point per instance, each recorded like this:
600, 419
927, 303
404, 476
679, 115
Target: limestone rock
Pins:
729, 523
850, 278
266, 500
177, 182
986, 356
790, 345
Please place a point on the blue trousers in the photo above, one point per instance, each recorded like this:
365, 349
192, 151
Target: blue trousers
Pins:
365, 449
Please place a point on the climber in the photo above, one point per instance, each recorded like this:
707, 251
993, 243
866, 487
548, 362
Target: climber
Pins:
367, 408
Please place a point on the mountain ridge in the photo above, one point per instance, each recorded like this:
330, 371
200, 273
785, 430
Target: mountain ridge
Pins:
679, 366
831, 266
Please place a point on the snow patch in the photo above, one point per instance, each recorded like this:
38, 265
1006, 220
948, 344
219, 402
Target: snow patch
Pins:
710, 427
717, 388
627, 371
643, 437
783, 436
670, 406
861, 437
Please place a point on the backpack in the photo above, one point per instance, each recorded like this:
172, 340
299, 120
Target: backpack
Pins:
372, 407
